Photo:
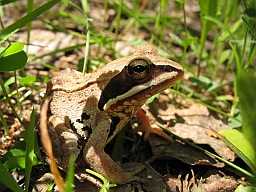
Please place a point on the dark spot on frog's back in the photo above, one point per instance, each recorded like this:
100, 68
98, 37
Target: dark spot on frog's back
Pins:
84, 117
88, 130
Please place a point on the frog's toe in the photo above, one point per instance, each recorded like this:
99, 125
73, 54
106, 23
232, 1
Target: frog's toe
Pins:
133, 168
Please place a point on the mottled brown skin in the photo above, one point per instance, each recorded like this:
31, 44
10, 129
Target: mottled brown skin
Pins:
87, 111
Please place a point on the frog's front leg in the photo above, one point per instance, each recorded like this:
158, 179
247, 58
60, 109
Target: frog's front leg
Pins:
98, 160
64, 141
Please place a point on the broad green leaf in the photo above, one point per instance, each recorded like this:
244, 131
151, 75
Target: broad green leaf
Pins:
242, 188
188, 41
225, 55
13, 62
244, 148
7, 179
232, 122
19, 162
13, 48
22, 145
12, 153
9, 81
2, 49
13, 57
175, 38
162, 52
185, 43
15, 162
206, 82
27, 81
15, 158
8, 31
180, 1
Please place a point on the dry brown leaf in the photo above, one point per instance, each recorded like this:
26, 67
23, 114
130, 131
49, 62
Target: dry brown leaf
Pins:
47, 144
192, 121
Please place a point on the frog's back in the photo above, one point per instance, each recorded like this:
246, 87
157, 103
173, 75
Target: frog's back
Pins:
69, 91
70, 80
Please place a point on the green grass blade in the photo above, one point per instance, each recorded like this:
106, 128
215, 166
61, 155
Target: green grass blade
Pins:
7, 179
9, 100
106, 183
246, 19
86, 53
5, 2
207, 7
70, 175
65, 49
30, 149
6, 128
8, 31
30, 6
238, 64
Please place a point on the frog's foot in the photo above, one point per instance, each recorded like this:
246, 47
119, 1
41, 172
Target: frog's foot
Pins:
147, 128
133, 169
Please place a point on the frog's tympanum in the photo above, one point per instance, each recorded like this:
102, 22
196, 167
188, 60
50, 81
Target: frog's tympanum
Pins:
86, 111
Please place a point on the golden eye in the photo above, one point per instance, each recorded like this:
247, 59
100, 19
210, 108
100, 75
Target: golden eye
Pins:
138, 69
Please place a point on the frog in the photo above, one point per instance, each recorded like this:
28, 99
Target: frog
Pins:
86, 111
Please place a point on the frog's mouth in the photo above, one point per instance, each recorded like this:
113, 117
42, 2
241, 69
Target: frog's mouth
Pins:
122, 90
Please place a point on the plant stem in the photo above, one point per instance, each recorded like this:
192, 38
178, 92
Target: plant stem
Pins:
8, 100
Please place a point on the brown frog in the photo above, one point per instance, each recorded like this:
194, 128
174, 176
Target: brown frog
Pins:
86, 111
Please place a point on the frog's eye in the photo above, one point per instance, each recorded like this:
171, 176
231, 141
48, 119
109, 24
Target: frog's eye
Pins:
138, 69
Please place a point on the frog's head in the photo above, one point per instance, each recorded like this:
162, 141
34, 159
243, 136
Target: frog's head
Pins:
139, 77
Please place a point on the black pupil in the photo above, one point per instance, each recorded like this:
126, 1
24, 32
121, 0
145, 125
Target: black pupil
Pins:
139, 68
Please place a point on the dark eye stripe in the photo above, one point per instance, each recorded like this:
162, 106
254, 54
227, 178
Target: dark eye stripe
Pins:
118, 85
